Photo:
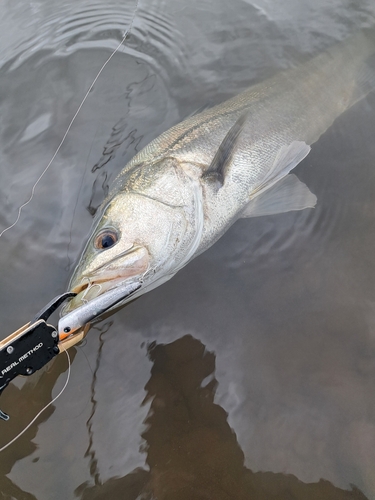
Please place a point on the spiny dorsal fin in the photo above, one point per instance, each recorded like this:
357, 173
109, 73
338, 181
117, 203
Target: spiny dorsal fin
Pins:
224, 154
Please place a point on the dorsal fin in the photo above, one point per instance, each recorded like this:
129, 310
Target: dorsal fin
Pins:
224, 154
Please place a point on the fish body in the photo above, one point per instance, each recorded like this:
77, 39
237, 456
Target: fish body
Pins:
178, 195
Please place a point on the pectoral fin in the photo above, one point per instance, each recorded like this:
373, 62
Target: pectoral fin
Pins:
224, 155
286, 159
286, 195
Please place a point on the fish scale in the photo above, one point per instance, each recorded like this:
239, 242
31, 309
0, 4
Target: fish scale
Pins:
178, 195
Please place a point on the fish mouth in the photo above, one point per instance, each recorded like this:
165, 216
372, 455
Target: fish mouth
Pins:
128, 267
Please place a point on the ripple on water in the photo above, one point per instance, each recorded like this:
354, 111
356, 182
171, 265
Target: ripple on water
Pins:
267, 310
73, 26
47, 72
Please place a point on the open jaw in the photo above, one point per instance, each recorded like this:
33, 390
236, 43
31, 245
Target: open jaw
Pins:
119, 271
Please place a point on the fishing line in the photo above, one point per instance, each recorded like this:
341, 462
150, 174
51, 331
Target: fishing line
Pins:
32, 195
71, 122
43, 409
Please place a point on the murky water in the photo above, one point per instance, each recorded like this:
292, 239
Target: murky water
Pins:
250, 375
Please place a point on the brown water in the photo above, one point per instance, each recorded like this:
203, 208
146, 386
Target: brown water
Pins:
250, 375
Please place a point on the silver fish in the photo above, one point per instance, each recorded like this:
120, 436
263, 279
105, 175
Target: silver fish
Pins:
177, 196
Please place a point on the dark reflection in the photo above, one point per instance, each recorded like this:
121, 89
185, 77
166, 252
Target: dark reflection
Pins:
192, 453
22, 405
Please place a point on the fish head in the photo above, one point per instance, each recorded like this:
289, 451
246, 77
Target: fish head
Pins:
144, 233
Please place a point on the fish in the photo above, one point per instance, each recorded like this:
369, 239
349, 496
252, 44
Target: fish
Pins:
182, 191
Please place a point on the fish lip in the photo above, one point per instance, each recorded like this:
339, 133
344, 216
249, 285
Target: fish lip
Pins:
128, 251
103, 279
79, 288
104, 273
82, 315
91, 281
95, 290
107, 277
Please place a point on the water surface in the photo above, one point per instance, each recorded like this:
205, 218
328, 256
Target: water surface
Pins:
251, 373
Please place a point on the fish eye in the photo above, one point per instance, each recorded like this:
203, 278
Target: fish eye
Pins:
105, 239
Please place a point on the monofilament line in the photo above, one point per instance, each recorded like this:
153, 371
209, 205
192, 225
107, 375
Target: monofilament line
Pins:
42, 410
71, 123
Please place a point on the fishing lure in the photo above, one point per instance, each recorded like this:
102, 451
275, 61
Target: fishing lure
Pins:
32, 346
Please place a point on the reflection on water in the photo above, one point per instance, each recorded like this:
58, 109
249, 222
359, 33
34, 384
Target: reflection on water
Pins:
282, 305
192, 452
23, 404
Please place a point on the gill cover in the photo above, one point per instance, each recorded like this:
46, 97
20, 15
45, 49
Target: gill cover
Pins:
154, 209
